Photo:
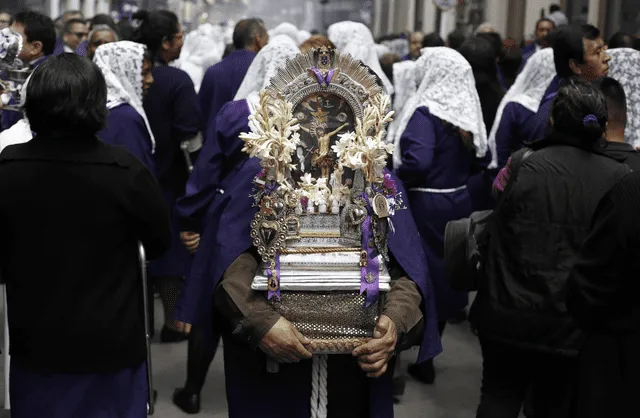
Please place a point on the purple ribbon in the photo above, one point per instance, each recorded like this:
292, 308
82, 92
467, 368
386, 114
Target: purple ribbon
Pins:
269, 273
369, 275
322, 80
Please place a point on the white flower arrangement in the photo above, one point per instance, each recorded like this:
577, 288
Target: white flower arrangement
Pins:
274, 136
365, 149
316, 191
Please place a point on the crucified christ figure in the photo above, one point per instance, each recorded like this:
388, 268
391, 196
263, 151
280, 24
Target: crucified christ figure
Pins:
322, 156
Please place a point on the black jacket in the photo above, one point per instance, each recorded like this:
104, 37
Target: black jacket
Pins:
71, 213
623, 153
603, 297
534, 243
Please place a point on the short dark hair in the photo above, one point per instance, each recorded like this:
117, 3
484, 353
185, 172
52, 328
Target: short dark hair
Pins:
155, 27
387, 61
545, 19
67, 95
432, 40
616, 99
456, 39
568, 44
621, 40
69, 25
125, 30
555, 8
38, 27
102, 19
246, 32
496, 41
480, 53
580, 110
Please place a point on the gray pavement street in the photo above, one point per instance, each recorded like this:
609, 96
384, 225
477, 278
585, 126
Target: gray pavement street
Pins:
454, 395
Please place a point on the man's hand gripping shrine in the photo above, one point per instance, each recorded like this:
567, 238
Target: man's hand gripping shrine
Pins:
285, 344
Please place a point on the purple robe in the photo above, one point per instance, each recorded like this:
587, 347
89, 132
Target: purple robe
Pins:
220, 85
171, 105
125, 127
519, 126
8, 118
434, 157
82, 48
225, 237
121, 394
219, 156
59, 48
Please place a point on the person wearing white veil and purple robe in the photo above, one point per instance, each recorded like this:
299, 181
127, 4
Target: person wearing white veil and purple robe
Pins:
220, 156
127, 70
519, 106
440, 142
355, 38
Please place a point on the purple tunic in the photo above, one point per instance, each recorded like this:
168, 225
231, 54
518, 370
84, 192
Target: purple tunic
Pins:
519, 126
59, 49
220, 85
125, 127
121, 394
82, 48
245, 371
434, 157
171, 105
219, 156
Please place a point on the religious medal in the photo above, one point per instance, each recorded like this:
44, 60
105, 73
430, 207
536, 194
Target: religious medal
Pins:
273, 285
380, 206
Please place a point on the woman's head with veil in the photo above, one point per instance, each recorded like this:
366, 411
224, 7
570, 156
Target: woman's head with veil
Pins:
266, 64
355, 39
446, 86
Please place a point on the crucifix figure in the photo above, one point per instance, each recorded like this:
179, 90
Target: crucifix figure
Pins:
322, 156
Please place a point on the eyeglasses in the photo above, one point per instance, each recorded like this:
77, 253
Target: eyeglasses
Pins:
4, 21
99, 42
79, 34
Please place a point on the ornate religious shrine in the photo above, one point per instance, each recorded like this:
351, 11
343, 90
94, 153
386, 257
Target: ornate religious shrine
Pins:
325, 202
15, 74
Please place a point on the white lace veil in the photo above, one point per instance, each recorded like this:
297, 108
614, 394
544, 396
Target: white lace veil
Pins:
356, 39
266, 64
121, 63
625, 67
446, 86
404, 83
202, 48
287, 29
528, 90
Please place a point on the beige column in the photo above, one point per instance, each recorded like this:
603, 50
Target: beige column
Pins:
410, 24
496, 12
89, 8
429, 11
593, 17
73, 5
377, 18
103, 7
447, 22
54, 8
391, 16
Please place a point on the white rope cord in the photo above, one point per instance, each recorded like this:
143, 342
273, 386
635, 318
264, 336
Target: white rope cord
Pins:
319, 396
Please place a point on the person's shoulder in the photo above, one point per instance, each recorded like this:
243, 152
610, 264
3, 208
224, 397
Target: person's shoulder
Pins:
125, 114
121, 157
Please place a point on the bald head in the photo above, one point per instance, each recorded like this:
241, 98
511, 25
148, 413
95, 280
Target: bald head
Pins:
250, 34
